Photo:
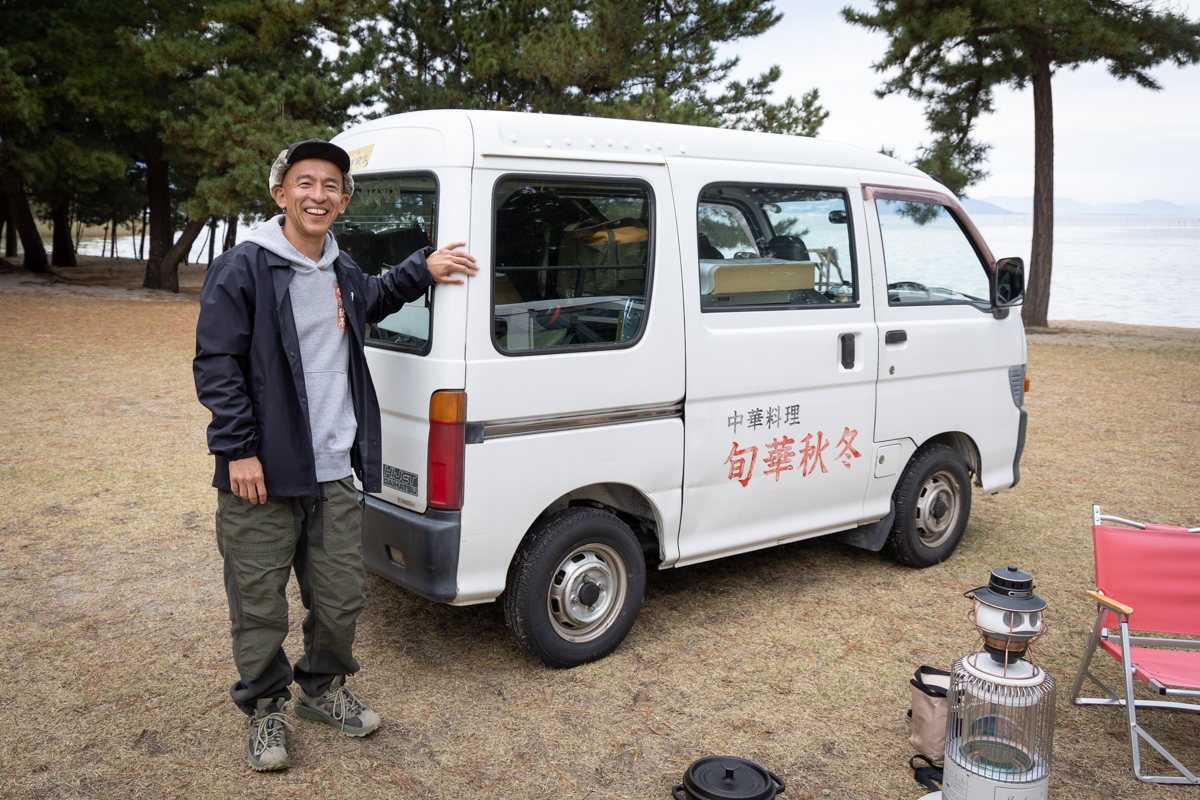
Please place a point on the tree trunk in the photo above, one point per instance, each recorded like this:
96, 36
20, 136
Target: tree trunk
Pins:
104, 242
162, 232
63, 252
169, 273
212, 239
1037, 293
22, 215
10, 228
230, 233
142, 246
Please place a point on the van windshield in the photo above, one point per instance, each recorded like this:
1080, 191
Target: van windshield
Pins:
387, 220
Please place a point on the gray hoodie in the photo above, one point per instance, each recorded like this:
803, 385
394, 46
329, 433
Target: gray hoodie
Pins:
324, 347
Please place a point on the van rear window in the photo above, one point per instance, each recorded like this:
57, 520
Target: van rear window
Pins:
387, 220
572, 263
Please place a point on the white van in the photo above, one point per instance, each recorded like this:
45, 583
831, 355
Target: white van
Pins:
683, 343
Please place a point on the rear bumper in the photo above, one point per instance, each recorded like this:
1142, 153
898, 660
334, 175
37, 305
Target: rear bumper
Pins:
417, 551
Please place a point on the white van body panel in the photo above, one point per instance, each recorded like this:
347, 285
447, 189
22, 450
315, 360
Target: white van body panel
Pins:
650, 373
513, 480
744, 359
951, 376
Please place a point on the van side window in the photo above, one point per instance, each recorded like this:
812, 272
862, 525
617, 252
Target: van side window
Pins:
774, 246
572, 263
928, 257
387, 220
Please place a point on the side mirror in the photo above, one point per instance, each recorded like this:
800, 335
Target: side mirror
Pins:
1010, 283
838, 217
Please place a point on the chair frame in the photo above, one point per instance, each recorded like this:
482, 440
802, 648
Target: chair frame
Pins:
1098, 634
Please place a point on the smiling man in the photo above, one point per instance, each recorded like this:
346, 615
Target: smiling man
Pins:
280, 364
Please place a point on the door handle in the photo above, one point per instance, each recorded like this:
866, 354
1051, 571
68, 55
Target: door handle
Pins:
847, 350
895, 337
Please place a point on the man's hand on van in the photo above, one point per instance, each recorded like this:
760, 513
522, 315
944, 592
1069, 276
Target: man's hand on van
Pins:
445, 261
246, 479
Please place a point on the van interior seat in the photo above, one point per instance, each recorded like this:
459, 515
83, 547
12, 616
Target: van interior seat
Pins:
788, 248
707, 251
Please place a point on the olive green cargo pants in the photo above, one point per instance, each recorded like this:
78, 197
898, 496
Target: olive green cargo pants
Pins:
319, 538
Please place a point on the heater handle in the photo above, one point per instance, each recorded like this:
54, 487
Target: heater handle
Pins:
675, 792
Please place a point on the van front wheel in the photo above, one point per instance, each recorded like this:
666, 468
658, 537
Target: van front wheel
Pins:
933, 502
575, 587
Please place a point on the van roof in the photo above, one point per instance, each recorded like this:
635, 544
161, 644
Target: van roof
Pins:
512, 133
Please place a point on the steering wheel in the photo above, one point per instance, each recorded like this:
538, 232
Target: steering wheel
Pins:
911, 286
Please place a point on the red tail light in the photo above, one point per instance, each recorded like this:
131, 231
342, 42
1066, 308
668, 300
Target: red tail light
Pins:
447, 434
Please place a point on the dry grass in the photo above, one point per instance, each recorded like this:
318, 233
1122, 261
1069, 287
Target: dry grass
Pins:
115, 664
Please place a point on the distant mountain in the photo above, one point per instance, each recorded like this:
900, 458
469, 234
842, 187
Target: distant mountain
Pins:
974, 206
1067, 206
1014, 205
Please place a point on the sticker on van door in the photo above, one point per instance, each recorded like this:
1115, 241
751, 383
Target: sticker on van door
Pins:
401, 481
779, 454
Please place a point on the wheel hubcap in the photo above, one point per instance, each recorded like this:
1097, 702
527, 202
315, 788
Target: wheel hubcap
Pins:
938, 507
587, 593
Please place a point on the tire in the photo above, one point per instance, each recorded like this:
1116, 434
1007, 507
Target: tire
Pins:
934, 481
578, 552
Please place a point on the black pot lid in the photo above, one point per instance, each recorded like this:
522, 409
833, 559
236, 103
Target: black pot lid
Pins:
1011, 589
730, 778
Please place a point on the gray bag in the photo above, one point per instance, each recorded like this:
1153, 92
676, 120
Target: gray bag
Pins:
929, 708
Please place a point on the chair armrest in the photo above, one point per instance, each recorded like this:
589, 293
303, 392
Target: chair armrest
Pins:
1110, 604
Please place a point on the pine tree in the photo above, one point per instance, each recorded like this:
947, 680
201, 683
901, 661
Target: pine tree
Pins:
636, 59
953, 53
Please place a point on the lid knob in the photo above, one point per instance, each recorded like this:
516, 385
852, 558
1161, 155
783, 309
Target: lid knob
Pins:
729, 768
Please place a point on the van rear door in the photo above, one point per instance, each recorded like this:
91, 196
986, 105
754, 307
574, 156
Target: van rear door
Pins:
412, 189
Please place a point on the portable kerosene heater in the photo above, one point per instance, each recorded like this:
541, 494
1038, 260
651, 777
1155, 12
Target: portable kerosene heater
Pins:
1000, 724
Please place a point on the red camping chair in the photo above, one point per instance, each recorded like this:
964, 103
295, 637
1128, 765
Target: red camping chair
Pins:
1149, 580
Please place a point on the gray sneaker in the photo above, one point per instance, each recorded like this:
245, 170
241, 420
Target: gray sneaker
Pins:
337, 707
268, 737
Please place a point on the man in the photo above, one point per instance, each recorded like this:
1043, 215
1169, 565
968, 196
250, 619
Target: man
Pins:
280, 364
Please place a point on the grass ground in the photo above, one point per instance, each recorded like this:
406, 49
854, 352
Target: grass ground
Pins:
115, 663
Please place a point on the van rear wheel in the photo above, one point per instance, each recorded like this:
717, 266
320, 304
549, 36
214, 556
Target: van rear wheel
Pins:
575, 587
933, 502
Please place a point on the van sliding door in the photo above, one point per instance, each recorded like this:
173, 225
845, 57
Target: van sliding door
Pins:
781, 346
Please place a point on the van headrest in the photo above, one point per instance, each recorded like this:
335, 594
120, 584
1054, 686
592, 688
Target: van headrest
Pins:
788, 248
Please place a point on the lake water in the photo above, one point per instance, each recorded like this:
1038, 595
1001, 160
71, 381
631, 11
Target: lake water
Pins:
1138, 270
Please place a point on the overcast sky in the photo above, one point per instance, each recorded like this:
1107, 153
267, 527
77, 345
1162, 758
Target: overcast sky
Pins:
1114, 141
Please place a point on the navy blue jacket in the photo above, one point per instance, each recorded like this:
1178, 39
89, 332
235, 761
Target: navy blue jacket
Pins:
248, 371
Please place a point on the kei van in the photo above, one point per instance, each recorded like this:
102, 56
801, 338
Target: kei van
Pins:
683, 343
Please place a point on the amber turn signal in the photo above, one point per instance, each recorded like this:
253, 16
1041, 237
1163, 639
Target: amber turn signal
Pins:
451, 407
1027, 383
